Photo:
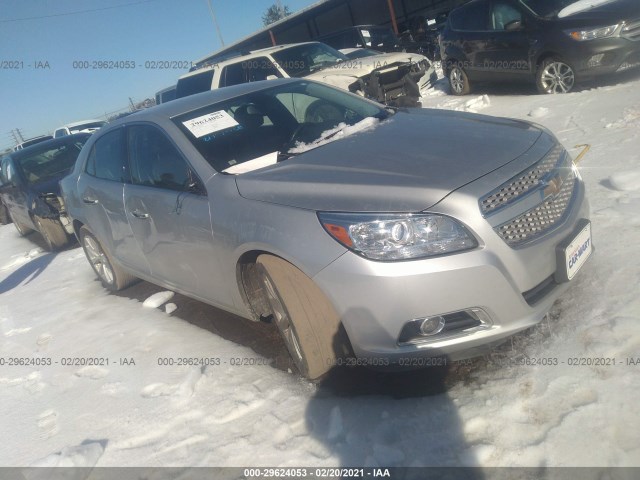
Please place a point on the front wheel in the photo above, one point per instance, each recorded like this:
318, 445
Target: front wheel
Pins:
306, 320
459, 81
112, 276
555, 76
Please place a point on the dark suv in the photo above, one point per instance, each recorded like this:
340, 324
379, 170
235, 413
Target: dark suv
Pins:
554, 42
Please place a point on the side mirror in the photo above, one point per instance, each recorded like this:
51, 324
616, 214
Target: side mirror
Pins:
513, 25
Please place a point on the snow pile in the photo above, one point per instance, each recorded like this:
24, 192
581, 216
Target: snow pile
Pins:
341, 130
539, 112
581, 6
626, 181
158, 299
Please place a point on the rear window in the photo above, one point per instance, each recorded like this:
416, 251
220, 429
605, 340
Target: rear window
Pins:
43, 163
195, 84
471, 17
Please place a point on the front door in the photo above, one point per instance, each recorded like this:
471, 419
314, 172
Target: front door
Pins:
168, 211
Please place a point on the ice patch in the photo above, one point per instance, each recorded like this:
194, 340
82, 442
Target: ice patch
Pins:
626, 181
18, 260
85, 455
17, 331
157, 299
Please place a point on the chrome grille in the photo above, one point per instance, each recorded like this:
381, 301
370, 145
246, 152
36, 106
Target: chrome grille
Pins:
632, 30
540, 219
510, 191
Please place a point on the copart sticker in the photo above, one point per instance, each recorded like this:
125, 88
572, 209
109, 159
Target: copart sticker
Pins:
210, 123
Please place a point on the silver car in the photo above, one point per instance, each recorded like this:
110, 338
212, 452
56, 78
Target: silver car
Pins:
391, 235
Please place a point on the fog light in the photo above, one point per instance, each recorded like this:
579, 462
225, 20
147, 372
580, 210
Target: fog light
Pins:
432, 325
596, 60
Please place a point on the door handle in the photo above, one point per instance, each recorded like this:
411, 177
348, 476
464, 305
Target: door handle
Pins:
90, 201
139, 214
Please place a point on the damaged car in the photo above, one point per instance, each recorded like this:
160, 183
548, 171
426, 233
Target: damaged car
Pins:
391, 79
243, 198
30, 191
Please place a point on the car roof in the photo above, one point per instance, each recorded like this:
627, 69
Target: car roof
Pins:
192, 102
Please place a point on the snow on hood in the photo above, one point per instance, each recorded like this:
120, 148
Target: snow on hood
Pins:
581, 6
339, 131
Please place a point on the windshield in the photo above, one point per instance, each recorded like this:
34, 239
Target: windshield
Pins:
271, 124
547, 8
378, 37
304, 59
42, 163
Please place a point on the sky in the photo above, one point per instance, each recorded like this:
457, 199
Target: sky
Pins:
45, 43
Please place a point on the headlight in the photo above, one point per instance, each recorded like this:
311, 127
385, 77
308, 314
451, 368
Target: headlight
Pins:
398, 236
602, 32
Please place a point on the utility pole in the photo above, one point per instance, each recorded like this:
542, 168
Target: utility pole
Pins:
17, 136
215, 22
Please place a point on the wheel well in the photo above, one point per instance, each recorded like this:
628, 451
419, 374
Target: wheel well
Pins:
77, 225
249, 285
544, 56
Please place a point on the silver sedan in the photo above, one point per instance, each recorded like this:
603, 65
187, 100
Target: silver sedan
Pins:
361, 231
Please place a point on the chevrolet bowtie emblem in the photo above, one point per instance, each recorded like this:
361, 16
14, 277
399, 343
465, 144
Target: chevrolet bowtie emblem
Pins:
553, 187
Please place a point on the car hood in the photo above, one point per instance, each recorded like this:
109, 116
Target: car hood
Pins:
599, 12
360, 67
406, 164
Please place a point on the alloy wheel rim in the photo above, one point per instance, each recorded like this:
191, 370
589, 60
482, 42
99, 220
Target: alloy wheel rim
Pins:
557, 77
456, 80
98, 260
284, 324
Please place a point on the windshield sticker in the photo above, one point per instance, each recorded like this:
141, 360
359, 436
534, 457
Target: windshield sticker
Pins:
210, 123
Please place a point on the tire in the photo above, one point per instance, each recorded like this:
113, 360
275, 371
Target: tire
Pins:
54, 235
308, 323
22, 230
4, 214
555, 76
112, 276
458, 80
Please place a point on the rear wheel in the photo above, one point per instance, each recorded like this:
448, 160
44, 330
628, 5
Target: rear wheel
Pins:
54, 235
308, 323
112, 276
555, 76
458, 80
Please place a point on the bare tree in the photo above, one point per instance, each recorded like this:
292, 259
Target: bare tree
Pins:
274, 13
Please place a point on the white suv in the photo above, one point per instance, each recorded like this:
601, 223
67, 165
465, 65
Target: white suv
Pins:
391, 78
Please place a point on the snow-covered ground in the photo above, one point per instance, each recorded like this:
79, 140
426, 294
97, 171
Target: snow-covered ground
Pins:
494, 411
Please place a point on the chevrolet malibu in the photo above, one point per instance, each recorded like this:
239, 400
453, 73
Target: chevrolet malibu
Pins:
361, 230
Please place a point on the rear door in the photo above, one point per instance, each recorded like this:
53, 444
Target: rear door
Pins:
471, 26
101, 189
168, 210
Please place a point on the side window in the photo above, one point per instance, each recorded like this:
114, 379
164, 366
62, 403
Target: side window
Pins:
473, 17
107, 159
253, 70
198, 83
155, 161
503, 14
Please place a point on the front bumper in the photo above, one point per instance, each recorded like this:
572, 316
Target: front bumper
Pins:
377, 299
604, 56
397, 84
